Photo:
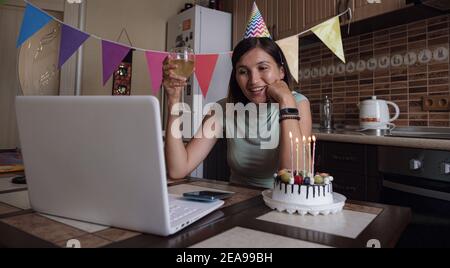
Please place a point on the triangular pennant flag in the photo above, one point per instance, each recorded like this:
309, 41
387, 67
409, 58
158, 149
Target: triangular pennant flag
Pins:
155, 62
204, 69
33, 20
330, 34
289, 46
71, 40
113, 54
256, 26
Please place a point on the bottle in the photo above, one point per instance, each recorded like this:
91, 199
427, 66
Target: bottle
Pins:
326, 112
212, 4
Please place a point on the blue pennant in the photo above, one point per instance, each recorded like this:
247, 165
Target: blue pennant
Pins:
33, 20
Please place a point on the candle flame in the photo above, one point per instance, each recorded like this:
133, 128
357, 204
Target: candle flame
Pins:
296, 140
309, 139
304, 139
290, 134
314, 138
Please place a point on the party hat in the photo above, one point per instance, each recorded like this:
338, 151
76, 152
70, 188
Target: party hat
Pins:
256, 26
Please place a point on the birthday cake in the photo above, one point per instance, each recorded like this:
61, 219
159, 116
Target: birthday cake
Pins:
304, 195
314, 191
304, 192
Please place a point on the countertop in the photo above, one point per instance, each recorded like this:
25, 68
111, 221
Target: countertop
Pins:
353, 136
243, 222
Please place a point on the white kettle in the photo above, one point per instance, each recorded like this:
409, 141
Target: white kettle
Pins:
374, 114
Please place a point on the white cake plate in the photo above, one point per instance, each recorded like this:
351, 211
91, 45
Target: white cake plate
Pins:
335, 207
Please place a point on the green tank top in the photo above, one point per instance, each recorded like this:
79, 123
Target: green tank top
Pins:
249, 164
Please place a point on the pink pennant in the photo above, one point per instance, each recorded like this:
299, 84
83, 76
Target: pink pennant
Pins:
155, 62
113, 54
204, 69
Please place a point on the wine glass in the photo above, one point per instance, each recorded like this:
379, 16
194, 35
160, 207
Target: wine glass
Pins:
184, 59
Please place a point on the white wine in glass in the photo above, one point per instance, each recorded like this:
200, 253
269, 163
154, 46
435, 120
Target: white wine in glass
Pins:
184, 58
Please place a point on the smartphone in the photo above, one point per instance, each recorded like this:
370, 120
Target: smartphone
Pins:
207, 196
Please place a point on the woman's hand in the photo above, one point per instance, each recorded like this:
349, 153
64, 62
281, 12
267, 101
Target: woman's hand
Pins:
173, 84
280, 93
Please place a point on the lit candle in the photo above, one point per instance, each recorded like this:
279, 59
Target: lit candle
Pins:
309, 155
296, 142
314, 154
292, 156
304, 156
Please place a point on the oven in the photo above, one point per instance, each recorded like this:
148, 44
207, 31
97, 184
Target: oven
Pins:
419, 179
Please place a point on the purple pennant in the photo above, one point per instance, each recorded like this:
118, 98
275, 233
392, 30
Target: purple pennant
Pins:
113, 55
71, 40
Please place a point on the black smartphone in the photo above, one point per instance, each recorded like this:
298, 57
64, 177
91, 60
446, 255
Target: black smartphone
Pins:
206, 196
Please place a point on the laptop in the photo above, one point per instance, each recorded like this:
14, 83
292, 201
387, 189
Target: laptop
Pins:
101, 160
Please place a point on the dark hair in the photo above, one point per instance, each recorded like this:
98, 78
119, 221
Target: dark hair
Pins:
235, 94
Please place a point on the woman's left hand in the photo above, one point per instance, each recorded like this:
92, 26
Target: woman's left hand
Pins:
280, 93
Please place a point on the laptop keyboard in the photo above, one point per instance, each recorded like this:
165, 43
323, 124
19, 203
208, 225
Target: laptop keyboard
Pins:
178, 211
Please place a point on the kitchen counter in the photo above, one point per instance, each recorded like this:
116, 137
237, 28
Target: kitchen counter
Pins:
243, 222
351, 136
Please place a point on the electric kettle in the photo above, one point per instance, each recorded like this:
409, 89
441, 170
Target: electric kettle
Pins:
374, 114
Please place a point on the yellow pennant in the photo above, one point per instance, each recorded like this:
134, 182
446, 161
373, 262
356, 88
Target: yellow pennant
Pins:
330, 34
289, 46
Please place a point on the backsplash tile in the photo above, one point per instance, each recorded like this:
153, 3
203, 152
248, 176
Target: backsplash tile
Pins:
402, 64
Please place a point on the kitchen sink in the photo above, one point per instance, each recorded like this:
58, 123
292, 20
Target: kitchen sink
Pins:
424, 133
406, 132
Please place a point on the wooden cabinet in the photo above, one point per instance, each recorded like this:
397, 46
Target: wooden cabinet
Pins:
316, 12
289, 19
354, 167
363, 9
285, 18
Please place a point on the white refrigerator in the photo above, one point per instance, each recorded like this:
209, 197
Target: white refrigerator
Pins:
205, 31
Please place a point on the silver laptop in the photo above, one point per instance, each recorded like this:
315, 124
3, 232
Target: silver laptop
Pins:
101, 160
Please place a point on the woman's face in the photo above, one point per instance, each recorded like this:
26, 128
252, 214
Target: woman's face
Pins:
254, 72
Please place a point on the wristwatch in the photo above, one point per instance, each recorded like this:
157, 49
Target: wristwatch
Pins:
289, 112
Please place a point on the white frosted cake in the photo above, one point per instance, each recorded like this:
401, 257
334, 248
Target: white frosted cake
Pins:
306, 191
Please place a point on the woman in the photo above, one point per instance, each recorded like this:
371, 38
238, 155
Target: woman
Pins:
260, 75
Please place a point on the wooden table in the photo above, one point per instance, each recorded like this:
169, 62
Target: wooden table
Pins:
244, 212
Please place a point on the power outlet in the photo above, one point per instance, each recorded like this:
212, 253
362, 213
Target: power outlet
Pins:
436, 103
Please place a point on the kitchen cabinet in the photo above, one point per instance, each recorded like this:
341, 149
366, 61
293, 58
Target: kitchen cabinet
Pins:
285, 18
289, 19
354, 167
316, 12
363, 9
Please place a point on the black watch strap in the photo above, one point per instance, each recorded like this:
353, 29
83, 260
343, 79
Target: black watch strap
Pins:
289, 111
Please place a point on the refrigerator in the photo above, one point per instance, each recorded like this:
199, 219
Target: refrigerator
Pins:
206, 31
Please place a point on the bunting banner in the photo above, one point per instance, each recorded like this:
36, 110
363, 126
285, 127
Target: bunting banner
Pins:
330, 34
112, 55
33, 20
290, 47
71, 40
155, 62
204, 69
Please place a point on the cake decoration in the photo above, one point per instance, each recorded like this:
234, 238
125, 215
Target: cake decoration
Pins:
303, 191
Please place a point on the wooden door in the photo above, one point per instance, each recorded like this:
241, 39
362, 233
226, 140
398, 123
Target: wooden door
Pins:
362, 9
289, 17
317, 12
